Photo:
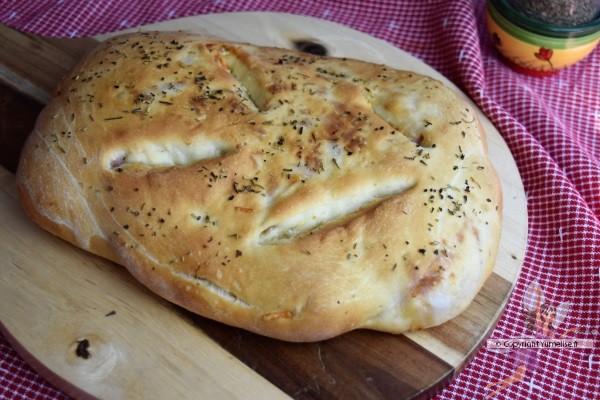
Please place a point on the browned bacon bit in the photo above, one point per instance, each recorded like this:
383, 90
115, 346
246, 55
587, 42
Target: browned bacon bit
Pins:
418, 140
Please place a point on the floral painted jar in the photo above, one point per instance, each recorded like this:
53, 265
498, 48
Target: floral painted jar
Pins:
538, 48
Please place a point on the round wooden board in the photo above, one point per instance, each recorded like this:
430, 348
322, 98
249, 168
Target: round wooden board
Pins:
54, 296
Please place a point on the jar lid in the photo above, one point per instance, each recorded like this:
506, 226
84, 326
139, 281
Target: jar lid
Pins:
543, 28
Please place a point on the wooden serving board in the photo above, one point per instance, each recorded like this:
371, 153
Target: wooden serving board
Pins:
94, 332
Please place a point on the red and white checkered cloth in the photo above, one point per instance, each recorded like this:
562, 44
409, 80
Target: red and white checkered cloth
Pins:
551, 125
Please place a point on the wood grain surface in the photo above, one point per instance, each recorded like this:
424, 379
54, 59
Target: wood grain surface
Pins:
17, 117
92, 330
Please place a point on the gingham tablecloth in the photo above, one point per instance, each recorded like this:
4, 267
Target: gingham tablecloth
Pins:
551, 125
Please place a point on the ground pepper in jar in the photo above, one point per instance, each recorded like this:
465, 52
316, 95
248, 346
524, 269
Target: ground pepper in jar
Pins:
558, 12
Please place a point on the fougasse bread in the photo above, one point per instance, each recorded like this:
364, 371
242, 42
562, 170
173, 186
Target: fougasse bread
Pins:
292, 195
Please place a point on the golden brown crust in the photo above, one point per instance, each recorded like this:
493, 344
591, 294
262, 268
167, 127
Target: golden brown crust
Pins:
295, 196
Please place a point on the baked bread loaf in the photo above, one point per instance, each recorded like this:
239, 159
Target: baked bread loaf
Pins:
292, 195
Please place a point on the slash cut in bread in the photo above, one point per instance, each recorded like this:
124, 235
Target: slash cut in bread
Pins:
292, 195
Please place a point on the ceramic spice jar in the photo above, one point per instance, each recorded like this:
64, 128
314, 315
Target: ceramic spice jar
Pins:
543, 37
